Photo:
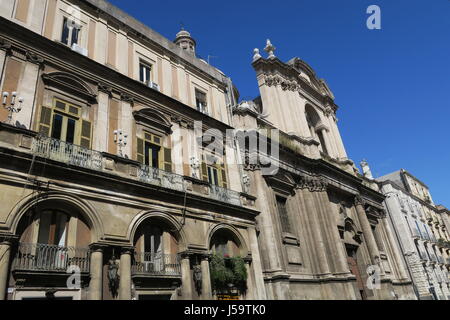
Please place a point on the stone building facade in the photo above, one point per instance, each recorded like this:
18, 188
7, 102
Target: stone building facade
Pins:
422, 232
152, 210
322, 225
109, 168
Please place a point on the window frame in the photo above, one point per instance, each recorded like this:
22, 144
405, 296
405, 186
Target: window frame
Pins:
76, 26
283, 213
143, 63
202, 108
66, 115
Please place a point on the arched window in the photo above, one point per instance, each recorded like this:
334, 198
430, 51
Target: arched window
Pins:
315, 128
225, 244
156, 248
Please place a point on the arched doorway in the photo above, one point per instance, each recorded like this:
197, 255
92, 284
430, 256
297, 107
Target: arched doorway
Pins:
53, 241
228, 270
156, 267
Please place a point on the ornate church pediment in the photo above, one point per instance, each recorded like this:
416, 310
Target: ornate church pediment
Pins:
71, 84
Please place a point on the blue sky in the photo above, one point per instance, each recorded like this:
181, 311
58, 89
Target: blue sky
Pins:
392, 85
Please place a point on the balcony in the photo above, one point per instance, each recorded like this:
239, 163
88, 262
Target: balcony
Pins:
75, 155
161, 178
156, 265
224, 195
67, 153
35, 257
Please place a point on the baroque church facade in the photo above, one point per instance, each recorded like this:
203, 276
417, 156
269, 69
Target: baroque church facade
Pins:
111, 191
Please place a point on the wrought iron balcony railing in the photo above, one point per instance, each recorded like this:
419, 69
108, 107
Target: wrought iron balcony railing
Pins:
224, 195
71, 154
156, 264
68, 153
50, 258
161, 178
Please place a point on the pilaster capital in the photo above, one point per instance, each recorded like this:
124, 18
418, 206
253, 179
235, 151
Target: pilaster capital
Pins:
98, 247
359, 201
6, 45
127, 250
313, 184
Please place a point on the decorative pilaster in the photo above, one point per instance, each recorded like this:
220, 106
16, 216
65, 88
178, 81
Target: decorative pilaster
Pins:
186, 278
96, 283
206, 279
125, 274
306, 187
250, 283
5, 254
367, 231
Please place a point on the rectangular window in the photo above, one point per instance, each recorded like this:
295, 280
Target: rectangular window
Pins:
62, 122
145, 72
70, 32
151, 154
284, 217
200, 101
213, 177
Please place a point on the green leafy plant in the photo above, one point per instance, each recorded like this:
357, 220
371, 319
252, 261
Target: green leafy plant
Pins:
227, 273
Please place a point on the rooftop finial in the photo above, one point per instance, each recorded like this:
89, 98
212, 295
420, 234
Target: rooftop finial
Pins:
256, 54
270, 49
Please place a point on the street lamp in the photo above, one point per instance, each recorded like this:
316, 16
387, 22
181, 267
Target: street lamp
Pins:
12, 105
120, 139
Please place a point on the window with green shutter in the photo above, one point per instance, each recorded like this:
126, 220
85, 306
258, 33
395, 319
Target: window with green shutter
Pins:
45, 121
62, 121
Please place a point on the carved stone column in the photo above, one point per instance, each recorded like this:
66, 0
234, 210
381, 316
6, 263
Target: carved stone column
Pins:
306, 188
335, 242
186, 278
96, 283
260, 289
125, 274
367, 231
250, 281
206, 279
5, 254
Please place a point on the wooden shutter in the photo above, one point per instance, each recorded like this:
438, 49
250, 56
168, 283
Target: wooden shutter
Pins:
204, 169
86, 134
223, 175
140, 151
45, 121
167, 165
